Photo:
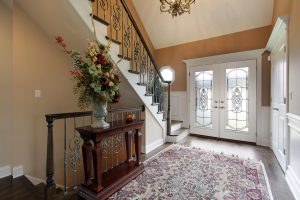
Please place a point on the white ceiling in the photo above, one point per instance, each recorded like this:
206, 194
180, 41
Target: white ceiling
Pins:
208, 18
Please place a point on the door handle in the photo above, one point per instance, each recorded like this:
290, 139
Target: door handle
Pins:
216, 107
222, 107
277, 109
222, 101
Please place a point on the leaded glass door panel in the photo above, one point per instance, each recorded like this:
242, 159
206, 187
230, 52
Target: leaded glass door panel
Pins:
204, 94
238, 100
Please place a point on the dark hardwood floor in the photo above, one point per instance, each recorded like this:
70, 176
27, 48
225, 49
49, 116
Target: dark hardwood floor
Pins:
279, 186
15, 189
21, 189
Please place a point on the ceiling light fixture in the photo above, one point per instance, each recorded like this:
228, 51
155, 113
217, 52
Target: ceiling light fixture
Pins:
176, 7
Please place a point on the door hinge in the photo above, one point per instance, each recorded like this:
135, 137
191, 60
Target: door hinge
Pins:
284, 151
284, 100
189, 73
284, 49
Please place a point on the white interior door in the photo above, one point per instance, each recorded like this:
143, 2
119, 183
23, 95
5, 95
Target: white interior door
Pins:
223, 100
279, 101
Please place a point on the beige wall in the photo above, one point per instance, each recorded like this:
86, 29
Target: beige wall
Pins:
5, 85
281, 8
38, 64
294, 59
236, 42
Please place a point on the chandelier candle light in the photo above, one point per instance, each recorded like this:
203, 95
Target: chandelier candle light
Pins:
176, 7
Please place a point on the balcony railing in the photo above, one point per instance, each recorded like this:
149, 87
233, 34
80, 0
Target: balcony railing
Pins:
72, 143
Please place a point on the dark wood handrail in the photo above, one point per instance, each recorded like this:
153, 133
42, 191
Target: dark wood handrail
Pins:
142, 39
89, 113
50, 118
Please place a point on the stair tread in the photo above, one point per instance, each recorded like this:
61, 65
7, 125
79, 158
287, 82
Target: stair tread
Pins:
175, 122
179, 131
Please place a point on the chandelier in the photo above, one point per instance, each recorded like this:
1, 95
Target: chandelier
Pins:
176, 7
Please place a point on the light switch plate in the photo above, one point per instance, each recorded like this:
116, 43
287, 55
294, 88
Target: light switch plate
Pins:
37, 93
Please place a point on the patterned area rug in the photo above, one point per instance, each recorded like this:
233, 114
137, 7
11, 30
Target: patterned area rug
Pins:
180, 172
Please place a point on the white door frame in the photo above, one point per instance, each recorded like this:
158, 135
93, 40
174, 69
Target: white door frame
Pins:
278, 39
263, 128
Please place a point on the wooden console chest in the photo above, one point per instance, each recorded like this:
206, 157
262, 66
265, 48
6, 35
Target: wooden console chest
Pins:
99, 185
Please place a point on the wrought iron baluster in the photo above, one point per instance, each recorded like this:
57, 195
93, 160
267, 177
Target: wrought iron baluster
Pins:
116, 18
126, 39
74, 163
117, 142
105, 151
122, 33
104, 6
110, 20
97, 8
150, 81
143, 69
136, 54
73, 157
112, 152
123, 150
65, 156
132, 48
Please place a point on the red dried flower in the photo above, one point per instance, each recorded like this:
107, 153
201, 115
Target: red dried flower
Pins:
60, 42
102, 60
76, 74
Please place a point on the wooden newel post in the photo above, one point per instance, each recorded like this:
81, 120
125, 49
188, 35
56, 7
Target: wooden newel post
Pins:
50, 161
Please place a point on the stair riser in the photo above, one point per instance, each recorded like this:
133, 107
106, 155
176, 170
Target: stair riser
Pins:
176, 127
175, 139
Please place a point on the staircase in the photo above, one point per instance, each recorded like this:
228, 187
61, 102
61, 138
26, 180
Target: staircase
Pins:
178, 133
113, 22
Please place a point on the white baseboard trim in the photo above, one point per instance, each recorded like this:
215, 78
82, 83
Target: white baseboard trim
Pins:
293, 181
264, 143
36, 181
5, 171
153, 145
17, 171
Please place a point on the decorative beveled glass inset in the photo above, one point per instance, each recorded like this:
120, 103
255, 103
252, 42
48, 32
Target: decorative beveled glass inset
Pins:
204, 99
237, 99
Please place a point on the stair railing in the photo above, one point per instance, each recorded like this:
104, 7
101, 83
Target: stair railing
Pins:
72, 155
123, 30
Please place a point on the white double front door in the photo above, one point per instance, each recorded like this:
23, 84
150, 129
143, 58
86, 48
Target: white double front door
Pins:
223, 100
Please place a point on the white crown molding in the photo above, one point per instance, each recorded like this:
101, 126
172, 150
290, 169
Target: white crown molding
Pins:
281, 25
231, 57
